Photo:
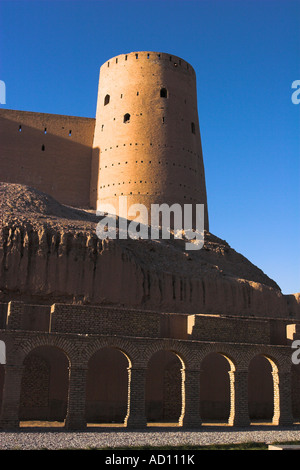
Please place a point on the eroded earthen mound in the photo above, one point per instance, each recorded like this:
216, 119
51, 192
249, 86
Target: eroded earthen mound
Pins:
50, 252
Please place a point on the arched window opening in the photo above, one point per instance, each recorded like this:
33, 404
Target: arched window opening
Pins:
107, 386
43, 148
164, 93
193, 128
164, 392
215, 388
263, 399
126, 118
44, 385
106, 100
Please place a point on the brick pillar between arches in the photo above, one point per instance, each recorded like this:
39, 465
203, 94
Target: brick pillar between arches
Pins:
11, 397
76, 398
136, 411
190, 417
283, 415
239, 413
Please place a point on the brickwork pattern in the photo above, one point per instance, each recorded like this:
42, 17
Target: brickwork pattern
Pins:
89, 320
208, 327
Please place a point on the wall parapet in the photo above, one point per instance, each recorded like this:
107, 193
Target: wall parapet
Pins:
104, 320
120, 321
236, 330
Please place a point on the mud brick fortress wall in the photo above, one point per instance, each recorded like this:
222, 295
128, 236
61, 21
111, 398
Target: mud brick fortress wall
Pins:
49, 152
92, 320
96, 363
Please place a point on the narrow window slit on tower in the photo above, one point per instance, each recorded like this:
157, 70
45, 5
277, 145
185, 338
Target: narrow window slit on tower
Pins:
163, 93
106, 100
126, 57
126, 118
148, 55
70, 133
43, 148
136, 56
20, 128
116, 60
45, 130
193, 127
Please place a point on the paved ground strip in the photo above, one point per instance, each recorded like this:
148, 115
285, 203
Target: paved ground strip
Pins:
55, 438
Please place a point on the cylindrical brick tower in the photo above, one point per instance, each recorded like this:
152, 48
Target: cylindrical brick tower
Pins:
147, 143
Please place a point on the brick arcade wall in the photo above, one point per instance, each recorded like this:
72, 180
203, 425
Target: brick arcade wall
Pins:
49, 152
80, 348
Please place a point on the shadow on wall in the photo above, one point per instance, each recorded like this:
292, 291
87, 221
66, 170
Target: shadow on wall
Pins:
60, 166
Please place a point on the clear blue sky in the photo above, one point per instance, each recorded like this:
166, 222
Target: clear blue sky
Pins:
246, 54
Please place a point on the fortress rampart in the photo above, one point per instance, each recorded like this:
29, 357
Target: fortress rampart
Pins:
50, 152
90, 320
